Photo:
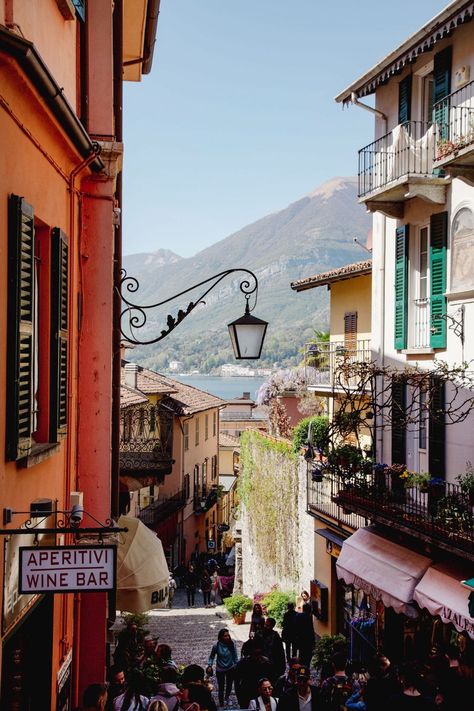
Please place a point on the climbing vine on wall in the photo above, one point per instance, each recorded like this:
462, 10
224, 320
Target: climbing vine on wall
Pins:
268, 488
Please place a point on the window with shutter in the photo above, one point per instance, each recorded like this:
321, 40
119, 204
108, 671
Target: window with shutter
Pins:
401, 286
438, 244
21, 331
398, 426
437, 430
196, 432
404, 100
59, 334
441, 89
206, 427
350, 330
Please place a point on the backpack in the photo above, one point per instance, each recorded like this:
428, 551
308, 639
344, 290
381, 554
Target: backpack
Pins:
339, 692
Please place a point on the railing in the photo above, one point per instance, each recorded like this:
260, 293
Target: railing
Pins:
204, 498
454, 116
442, 514
146, 437
421, 323
407, 150
321, 499
162, 508
322, 359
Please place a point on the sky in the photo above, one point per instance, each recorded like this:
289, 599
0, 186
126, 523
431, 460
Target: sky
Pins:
237, 118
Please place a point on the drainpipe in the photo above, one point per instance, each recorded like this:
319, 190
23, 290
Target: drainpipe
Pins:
376, 112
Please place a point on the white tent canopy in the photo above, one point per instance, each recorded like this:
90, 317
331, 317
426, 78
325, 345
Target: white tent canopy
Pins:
142, 571
441, 593
382, 569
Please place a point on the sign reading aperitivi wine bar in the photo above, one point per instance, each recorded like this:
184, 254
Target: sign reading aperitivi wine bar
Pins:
67, 569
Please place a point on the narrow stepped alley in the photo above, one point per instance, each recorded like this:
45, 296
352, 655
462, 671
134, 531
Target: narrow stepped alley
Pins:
191, 632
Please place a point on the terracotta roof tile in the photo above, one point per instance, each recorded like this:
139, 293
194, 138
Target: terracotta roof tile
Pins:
130, 397
346, 272
227, 440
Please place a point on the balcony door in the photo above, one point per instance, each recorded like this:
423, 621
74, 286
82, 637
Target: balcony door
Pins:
420, 289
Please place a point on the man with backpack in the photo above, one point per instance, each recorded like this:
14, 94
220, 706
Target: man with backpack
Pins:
336, 689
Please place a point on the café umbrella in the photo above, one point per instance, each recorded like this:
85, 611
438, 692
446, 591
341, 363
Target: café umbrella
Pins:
142, 570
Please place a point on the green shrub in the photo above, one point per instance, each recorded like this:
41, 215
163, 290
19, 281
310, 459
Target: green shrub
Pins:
319, 433
140, 619
276, 602
237, 604
326, 646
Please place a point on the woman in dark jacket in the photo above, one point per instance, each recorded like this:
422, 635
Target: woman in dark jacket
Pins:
190, 583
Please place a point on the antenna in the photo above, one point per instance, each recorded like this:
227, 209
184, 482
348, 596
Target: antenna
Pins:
359, 244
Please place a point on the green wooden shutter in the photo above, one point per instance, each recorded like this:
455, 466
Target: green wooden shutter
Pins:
437, 430
59, 334
398, 421
20, 331
441, 89
404, 100
401, 286
438, 244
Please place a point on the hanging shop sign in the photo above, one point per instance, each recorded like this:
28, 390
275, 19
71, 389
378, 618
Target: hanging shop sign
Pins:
64, 569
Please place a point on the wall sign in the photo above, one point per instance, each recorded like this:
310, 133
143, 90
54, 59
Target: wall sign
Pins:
65, 569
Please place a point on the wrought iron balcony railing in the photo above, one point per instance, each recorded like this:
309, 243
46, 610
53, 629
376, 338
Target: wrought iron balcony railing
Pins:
204, 498
146, 439
322, 360
454, 116
441, 515
407, 150
162, 508
321, 499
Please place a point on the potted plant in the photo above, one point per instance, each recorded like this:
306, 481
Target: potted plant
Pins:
237, 606
398, 476
466, 482
317, 472
436, 491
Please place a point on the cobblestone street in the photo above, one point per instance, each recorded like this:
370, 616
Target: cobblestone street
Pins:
191, 632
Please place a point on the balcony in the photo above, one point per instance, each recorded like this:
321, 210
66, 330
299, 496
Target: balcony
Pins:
399, 166
162, 508
146, 442
441, 515
322, 501
455, 133
323, 360
205, 498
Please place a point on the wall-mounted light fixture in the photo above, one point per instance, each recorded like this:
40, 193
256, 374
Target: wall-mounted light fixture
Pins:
246, 333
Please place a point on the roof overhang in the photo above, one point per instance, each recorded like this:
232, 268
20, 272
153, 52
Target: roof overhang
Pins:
424, 40
140, 21
326, 278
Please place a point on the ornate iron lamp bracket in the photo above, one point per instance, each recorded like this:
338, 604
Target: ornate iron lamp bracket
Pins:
134, 316
455, 322
70, 523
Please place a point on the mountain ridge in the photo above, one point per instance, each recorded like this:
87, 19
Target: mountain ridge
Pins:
312, 234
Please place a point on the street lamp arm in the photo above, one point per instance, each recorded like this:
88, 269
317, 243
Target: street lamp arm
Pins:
135, 315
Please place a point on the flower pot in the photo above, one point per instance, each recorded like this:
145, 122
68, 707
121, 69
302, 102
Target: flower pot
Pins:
239, 619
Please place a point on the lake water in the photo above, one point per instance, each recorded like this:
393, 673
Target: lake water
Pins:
225, 387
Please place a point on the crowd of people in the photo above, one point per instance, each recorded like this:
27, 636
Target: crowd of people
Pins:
273, 673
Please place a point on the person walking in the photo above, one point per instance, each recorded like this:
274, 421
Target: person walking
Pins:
171, 590
190, 582
288, 631
265, 700
132, 699
273, 646
225, 654
257, 616
206, 585
338, 688
305, 634
215, 587
302, 696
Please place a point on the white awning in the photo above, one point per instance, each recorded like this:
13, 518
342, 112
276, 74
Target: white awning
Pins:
441, 593
142, 571
382, 569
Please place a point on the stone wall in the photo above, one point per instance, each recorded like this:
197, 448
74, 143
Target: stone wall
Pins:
277, 533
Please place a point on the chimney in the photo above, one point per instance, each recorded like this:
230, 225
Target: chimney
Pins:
246, 396
131, 370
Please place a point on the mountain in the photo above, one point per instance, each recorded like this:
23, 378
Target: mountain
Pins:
312, 235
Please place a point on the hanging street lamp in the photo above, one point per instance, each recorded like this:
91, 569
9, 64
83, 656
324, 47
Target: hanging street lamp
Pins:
247, 333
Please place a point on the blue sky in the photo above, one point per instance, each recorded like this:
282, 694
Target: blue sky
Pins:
237, 118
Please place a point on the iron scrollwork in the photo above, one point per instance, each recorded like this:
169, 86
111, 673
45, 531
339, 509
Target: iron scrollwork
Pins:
134, 316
